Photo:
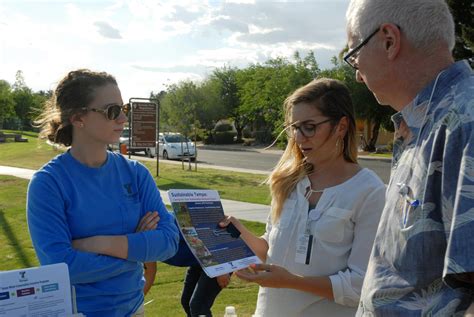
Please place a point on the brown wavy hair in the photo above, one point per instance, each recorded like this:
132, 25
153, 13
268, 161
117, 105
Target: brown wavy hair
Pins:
332, 98
74, 92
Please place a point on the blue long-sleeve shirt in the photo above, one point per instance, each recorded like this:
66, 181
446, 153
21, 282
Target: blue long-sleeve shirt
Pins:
68, 200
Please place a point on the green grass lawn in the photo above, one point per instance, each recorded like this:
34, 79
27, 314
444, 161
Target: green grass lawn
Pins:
386, 155
230, 185
17, 251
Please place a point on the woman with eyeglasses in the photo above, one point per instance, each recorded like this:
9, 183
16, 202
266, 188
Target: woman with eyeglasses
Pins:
93, 209
324, 215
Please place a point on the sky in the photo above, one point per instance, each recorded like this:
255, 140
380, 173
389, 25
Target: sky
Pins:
150, 44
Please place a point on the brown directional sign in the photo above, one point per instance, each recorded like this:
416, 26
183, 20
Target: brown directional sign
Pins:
143, 124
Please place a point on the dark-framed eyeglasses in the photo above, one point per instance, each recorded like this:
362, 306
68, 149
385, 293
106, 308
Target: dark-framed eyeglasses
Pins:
351, 57
112, 111
307, 129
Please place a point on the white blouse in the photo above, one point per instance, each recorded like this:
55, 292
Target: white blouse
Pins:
343, 225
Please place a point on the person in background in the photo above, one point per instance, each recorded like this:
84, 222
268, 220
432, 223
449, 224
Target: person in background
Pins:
92, 209
324, 214
423, 257
199, 290
149, 273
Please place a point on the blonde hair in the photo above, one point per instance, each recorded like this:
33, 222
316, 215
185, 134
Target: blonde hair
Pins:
73, 93
331, 97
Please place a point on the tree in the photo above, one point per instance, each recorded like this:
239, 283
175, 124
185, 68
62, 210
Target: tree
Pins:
179, 104
158, 99
211, 108
188, 106
7, 103
462, 11
228, 92
365, 104
263, 89
25, 103
19, 81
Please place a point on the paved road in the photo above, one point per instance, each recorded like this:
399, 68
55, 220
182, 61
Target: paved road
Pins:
266, 161
258, 162
240, 159
381, 168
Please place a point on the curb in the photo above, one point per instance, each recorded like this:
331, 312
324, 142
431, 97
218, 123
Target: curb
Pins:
226, 148
239, 149
276, 151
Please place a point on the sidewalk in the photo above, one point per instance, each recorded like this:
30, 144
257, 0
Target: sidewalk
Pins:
238, 209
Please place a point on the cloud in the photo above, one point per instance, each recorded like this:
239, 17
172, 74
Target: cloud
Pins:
316, 21
184, 15
245, 22
139, 83
227, 23
188, 70
107, 31
161, 41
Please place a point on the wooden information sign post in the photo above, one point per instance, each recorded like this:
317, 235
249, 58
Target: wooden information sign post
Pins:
144, 125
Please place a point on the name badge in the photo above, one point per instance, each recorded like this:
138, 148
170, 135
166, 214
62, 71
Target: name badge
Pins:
303, 248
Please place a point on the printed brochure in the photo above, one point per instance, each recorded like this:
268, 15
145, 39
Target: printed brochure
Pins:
218, 250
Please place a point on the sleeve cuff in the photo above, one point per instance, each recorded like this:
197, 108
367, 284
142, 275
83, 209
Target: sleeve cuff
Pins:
337, 289
137, 246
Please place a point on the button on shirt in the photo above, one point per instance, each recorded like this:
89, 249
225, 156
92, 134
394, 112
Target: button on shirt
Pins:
426, 233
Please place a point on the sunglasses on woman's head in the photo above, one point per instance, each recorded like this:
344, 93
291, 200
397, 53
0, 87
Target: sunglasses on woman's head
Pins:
112, 111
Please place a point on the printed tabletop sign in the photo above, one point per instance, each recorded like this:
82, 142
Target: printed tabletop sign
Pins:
37, 291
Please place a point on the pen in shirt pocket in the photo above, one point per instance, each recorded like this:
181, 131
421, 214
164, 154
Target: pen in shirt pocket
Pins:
405, 190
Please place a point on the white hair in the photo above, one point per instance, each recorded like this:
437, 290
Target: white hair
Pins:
424, 22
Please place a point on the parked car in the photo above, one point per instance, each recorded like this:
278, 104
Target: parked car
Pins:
173, 145
125, 139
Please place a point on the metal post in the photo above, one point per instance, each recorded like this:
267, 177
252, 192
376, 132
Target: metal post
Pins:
195, 142
157, 146
130, 130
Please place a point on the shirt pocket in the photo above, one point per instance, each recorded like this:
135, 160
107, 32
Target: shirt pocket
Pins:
332, 225
286, 213
280, 227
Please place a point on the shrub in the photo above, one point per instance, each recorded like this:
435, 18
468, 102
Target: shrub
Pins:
263, 137
223, 127
246, 133
226, 137
390, 146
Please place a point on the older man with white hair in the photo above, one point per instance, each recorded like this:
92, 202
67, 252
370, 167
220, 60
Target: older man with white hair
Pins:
422, 262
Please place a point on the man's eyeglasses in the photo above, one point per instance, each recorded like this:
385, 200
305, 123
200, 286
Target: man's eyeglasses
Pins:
307, 129
112, 111
351, 57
